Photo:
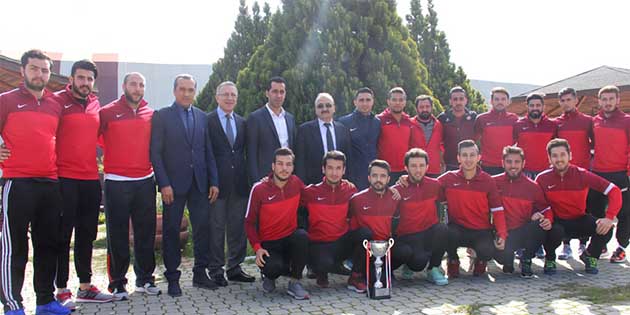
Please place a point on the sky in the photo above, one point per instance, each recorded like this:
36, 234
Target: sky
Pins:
535, 41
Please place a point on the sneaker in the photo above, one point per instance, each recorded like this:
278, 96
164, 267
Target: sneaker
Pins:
540, 253
526, 269
296, 290
582, 249
356, 283
550, 267
52, 308
518, 254
452, 268
65, 299
268, 285
508, 268
618, 256
15, 312
407, 274
310, 273
322, 280
604, 250
480, 267
149, 289
435, 275
566, 252
93, 295
590, 264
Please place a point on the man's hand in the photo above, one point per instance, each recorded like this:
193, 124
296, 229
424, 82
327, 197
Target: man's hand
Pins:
4, 153
499, 244
396, 193
545, 224
167, 194
403, 180
260, 257
349, 183
537, 216
603, 226
213, 194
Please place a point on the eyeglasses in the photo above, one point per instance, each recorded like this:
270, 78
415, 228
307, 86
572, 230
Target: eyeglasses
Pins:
232, 95
328, 105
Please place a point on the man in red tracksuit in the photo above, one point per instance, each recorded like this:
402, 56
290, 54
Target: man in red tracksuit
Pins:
566, 187
527, 213
373, 209
271, 225
475, 212
494, 130
531, 133
330, 241
395, 136
611, 129
420, 237
427, 134
458, 123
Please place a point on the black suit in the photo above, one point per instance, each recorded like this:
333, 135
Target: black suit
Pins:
262, 141
310, 149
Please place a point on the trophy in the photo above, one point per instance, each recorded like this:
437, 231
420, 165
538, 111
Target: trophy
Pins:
380, 250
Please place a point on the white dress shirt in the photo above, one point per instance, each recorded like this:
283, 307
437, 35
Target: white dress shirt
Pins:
281, 126
322, 131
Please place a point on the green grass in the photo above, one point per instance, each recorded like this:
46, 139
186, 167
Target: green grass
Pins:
470, 309
596, 295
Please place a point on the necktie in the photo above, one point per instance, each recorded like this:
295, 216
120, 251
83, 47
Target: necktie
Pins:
190, 124
330, 145
228, 129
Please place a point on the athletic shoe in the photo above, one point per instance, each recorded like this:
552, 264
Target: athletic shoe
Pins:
52, 308
268, 285
550, 267
296, 290
604, 250
120, 293
480, 267
310, 273
526, 269
582, 249
322, 280
435, 275
452, 268
540, 253
93, 295
518, 254
566, 252
618, 256
406, 274
149, 289
356, 283
65, 299
590, 264
15, 312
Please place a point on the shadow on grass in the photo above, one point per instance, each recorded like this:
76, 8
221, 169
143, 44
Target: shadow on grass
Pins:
596, 295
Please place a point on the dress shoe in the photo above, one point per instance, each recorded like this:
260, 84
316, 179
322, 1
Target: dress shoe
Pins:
201, 280
173, 289
241, 277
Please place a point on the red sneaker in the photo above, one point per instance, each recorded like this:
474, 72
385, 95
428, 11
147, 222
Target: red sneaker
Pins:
480, 267
356, 282
618, 256
452, 268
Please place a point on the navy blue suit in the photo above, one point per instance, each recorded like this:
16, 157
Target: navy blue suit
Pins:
364, 132
189, 167
262, 141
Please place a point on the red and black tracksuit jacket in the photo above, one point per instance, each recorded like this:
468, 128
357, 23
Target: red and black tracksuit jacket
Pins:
455, 130
473, 203
327, 208
433, 146
567, 193
374, 211
417, 206
394, 140
521, 198
494, 129
533, 139
272, 211
577, 129
612, 140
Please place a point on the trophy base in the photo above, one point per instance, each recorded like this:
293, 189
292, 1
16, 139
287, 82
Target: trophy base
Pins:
379, 294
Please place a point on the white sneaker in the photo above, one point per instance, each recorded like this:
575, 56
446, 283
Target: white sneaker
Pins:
149, 289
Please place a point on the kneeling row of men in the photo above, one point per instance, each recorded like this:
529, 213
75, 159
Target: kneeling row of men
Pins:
495, 216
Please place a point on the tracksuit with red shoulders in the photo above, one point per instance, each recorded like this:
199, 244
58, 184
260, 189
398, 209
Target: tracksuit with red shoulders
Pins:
420, 237
533, 138
428, 136
567, 196
30, 194
271, 224
373, 212
330, 238
612, 146
394, 141
129, 190
494, 130
521, 198
475, 213
577, 129
79, 182
454, 130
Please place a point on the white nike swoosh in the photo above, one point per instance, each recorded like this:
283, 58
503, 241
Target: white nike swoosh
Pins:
320, 198
353, 129
456, 184
269, 198
551, 186
525, 128
407, 198
67, 106
21, 106
366, 207
388, 122
119, 115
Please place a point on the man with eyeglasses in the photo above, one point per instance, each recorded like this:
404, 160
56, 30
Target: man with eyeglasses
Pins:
318, 136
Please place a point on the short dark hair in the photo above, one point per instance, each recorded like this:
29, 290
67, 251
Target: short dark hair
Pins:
84, 64
416, 153
34, 54
183, 76
276, 79
363, 90
558, 142
457, 89
334, 155
284, 151
423, 97
566, 91
608, 89
466, 144
535, 96
379, 163
499, 89
512, 149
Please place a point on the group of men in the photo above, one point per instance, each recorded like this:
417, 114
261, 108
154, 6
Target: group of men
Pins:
340, 195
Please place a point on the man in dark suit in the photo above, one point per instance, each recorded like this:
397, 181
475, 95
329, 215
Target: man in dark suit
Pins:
269, 128
186, 174
318, 136
227, 214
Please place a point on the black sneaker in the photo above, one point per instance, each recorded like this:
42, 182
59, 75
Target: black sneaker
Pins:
590, 264
526, 269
